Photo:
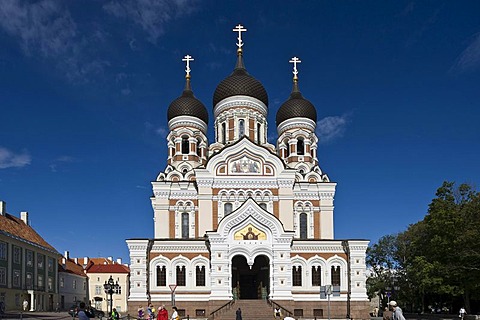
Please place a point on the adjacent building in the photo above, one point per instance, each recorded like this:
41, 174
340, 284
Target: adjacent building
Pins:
98, 275
28, 265
239, 218
72, 282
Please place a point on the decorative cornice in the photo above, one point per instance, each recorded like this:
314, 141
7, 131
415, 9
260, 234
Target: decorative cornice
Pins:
295, 123
252, 183
175, 247
316, 247
187, 121
204, 182
286, 183
162, 194
240, 101
313, 195
190, 194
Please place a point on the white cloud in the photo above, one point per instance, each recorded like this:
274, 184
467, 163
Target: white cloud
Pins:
46, 30
469, 59
62, 159
43, 27
330, 128
150, 15
66, 159
9, 159
162, 131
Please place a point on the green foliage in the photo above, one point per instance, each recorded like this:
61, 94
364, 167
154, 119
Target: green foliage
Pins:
434, 258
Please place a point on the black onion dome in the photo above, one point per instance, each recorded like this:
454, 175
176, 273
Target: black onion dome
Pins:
240, 83
187, 105
296, 107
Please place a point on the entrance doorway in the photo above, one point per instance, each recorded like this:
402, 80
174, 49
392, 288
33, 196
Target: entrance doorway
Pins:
250, 283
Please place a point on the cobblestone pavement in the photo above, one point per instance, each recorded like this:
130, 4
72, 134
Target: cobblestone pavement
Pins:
35, 315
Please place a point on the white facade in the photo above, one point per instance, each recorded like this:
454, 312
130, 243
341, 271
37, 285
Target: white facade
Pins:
241, 218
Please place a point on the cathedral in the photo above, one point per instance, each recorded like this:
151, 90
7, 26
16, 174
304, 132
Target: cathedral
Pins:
239, 218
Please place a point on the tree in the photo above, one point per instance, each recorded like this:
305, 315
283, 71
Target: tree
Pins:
443, 255
382, 261
436, 261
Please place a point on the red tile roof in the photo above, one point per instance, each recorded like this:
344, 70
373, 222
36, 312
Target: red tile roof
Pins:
108, 268
70, 267
15, 227
100, 261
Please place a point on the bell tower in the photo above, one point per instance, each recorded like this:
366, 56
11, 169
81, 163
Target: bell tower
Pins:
187, 121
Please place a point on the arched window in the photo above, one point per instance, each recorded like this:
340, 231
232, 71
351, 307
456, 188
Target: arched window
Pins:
224, 132
335, 275
300, 146
185, 145
287, 149
241, 128
161, 276
259, 130
172, 148
185, 218
199, 150
263, 205
181, 276
316, 276
227, 208
200, 276
297, 276
303, 225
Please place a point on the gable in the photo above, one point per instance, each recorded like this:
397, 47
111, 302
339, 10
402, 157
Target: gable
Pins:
245, 158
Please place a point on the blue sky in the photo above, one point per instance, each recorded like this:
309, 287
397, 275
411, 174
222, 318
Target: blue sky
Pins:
85, 86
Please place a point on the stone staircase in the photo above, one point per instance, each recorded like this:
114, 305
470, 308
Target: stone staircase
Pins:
251, 310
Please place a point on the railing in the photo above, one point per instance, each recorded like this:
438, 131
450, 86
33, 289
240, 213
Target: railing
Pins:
273, 303
225, 307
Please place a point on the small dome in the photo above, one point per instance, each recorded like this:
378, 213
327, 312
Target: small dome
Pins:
240, 83
187, 105
296, 107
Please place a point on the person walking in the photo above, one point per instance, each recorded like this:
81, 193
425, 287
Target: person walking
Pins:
151, 312
83, 314
397, 312
462, 313
2, 308
238, 314
162, 313
115, 314
25, 305
387, 314
175, 314
141, 312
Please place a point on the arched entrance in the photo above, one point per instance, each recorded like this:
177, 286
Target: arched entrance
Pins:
250, 283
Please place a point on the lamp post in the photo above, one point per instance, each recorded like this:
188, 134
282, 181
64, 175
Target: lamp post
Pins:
346, 249
110, 288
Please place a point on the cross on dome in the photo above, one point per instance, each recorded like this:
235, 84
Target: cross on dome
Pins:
295, 60
187, 59
239, 28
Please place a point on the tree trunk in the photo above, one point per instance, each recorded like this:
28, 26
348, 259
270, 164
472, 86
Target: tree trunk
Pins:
466, 300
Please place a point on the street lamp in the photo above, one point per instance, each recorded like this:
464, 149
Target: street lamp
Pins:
346, 249
111, 288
